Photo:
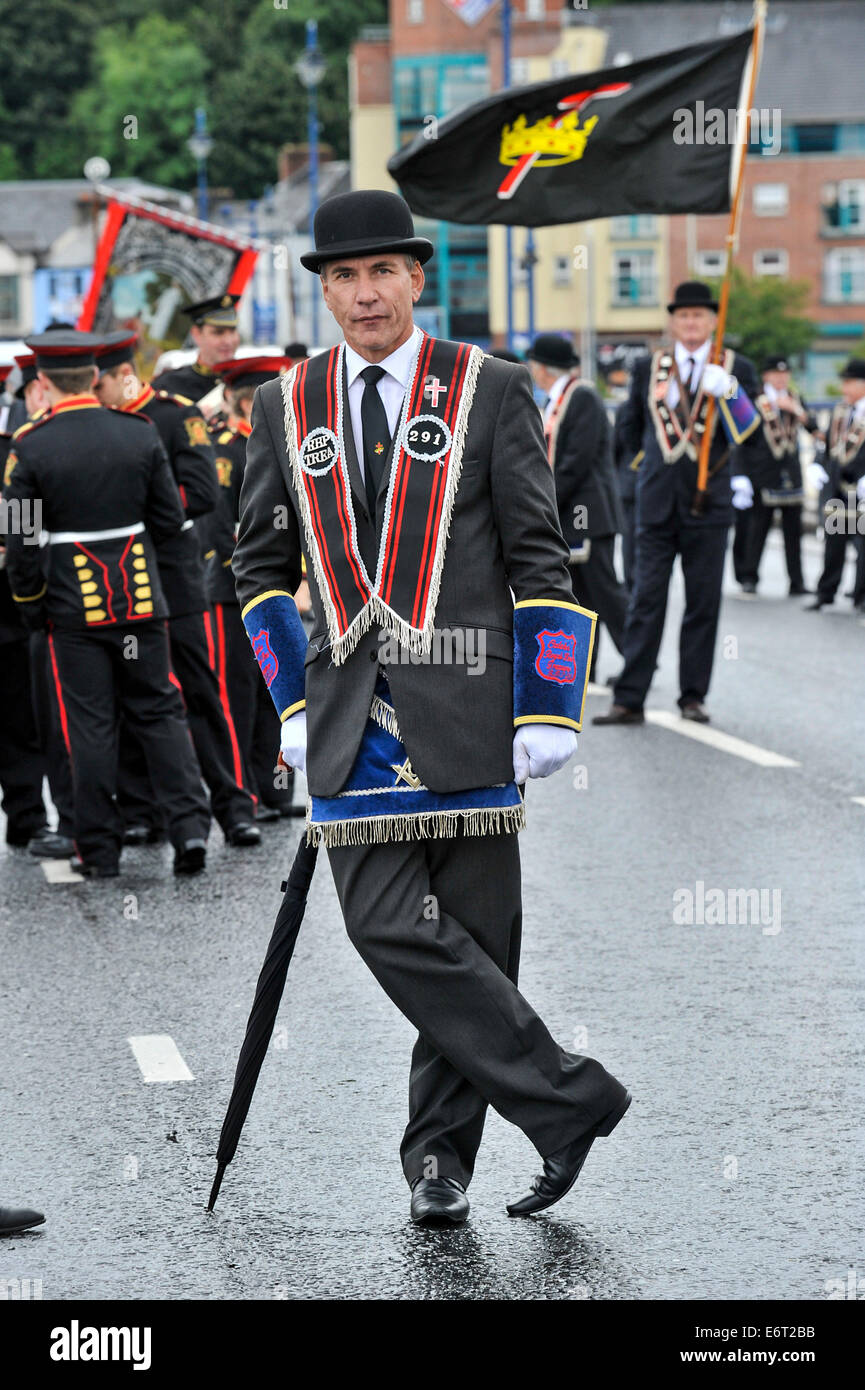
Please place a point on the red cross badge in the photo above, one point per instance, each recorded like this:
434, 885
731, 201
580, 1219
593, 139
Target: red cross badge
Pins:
433, 389
378, 448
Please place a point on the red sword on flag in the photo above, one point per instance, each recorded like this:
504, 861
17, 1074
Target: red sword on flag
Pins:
576, 102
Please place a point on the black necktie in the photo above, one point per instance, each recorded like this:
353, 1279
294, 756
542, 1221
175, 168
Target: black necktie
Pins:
376, 434
691, 384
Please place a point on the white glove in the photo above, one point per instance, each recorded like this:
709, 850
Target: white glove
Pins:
292, 741
817, 475
860, 488
541, 749
743, 492
717, 382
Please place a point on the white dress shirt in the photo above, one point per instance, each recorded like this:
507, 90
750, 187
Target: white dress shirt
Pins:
686, 372
391, 387
555, 395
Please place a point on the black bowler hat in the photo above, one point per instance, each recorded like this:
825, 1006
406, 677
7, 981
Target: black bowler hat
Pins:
855, 370
692, 294
362, 223
775, 363
219, 310
504, 354
60, 349
116, 348
553, 351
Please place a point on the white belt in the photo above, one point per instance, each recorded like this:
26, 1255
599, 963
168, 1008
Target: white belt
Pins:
115, 533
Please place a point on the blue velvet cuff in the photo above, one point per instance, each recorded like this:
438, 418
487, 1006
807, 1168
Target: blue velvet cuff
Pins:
278, 638
738, 416
552, 656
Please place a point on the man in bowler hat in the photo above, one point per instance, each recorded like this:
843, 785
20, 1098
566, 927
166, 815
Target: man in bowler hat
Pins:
841, 478
415, 483
664, 416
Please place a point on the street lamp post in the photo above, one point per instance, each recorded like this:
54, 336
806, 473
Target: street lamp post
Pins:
310, 68
199, 145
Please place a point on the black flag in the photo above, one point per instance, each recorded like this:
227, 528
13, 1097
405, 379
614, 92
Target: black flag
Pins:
638, 139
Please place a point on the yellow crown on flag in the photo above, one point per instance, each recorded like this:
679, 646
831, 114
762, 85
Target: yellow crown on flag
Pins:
555, 140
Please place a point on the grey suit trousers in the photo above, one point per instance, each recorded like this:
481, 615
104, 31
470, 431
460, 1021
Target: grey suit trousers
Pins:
438, 923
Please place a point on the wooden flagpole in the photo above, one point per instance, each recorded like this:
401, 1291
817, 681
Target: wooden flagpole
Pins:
760, 8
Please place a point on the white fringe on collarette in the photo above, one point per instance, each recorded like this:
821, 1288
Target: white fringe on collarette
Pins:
384, 715
421, 825
417, 640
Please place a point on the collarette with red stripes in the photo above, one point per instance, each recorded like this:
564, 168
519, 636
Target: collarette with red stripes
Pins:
426, 462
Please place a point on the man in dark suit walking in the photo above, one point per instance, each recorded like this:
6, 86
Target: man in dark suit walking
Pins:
578, 437
665, 418
410, 473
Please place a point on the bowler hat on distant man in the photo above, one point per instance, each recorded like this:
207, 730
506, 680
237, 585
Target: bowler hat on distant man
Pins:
554, 351
775, 362
855, 370
692, 294
362, 223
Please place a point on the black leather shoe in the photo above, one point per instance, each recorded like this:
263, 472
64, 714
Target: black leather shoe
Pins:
136, 835
620, 714
78, 866
438, 1202
748, 586
47, 844
264, 814
817, 605
562, 1168
695, 712
797, 590
190, 857
292, 810
243, 835
15, 1219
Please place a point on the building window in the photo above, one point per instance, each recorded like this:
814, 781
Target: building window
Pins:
559, 67
770, 262
771, 199
710, 263
844, 276
842, 208
641, 226
415, 11
9, 298
634, 279
562, 267
519, 72
535, 9
816, 139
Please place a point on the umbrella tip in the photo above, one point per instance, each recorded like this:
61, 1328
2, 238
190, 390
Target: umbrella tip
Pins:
217, 1183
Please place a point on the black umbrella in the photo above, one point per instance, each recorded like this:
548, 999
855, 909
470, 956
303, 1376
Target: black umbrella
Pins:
271, 983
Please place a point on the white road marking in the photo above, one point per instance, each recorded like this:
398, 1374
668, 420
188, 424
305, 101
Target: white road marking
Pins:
725, 743
860, 800
594, 689
58, 871
159, 1059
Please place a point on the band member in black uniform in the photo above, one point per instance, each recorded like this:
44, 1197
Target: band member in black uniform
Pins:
666, 410
255, 719
41, 704
106, 492
577, 433
776, 473
841, 476
183, 431
214, 333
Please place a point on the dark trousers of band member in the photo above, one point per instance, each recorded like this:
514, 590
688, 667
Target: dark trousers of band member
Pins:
438, 923
22, 765
834, 558
702, 550
47, 713
596, 586
759, 527
103, 678
255, 718
193, 659
741, 543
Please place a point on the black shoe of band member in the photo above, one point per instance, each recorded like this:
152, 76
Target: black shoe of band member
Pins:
696, 712
265, 814
15, 1219
48, 844
798, 590
243, 835
438, 1202
562, 1168
748, 587
620, 714
78, 866
817, 605
190, 857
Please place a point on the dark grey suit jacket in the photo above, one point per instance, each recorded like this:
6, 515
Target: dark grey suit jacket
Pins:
583, 468
457, 727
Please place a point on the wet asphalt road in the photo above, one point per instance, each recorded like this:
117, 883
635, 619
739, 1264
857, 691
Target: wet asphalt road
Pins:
737, 1172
